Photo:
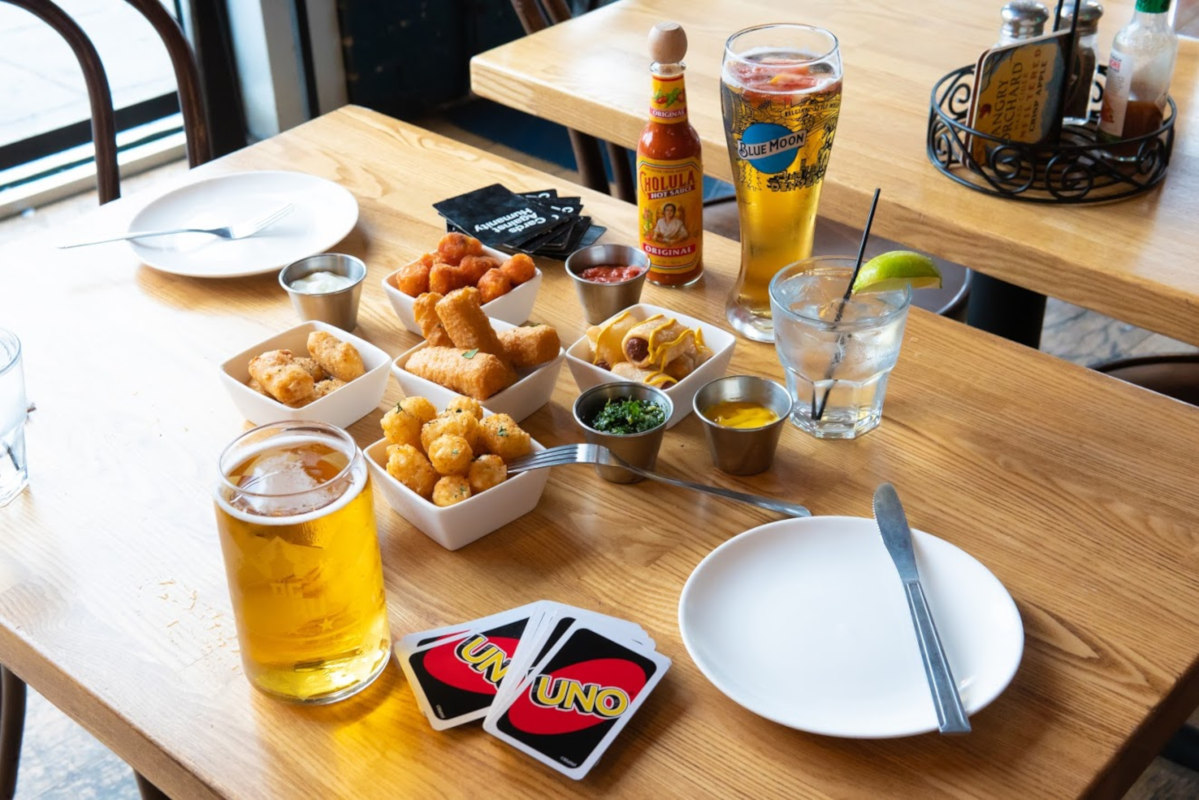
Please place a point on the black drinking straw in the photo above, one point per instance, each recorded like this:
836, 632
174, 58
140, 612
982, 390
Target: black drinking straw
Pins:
818, 410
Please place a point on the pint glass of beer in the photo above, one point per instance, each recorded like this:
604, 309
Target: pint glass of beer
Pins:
780, 92
297, 526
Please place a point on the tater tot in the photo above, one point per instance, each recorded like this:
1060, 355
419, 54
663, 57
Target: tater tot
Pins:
413, 279
519, 268
453, 247
499, 434
410, 467
445, 278
486, 471
419, 407
463, 425
339, 359
451, 489
326, 386
467, 405
401, 427
284, 379
475, 267
450, 455
493, 284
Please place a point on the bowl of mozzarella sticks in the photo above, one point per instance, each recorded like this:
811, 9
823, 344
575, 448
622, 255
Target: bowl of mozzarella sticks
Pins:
509, 369
312, 371
507, 284
653, 345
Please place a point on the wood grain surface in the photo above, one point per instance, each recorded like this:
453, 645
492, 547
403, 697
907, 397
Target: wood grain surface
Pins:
1076, 490
1133, 260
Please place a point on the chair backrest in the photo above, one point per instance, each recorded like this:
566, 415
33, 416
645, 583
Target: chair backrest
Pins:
187, 77
536, 15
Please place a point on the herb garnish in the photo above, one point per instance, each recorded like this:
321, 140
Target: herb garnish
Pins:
469, 354
623, 417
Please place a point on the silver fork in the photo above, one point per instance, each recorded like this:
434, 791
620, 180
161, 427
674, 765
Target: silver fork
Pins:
236, 230
598, 454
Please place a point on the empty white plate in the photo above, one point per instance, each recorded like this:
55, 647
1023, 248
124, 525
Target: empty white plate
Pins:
804, 622
324, 212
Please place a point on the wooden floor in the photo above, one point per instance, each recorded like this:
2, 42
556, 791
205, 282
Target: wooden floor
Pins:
61, 760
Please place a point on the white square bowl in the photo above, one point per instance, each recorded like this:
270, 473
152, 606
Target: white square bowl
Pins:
586, 374
341, 407
458, 525
518, 401
513, 307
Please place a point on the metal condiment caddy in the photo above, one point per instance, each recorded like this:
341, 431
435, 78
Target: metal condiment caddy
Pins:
1078, 168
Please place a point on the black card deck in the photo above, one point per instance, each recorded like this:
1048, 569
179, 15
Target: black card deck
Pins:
539, 223
556, 682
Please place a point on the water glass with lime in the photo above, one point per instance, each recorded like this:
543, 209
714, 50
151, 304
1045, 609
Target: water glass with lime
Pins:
838, 347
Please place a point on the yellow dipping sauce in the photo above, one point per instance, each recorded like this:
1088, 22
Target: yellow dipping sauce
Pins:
740, 414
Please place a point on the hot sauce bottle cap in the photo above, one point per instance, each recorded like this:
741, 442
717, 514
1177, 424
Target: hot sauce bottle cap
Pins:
667, 43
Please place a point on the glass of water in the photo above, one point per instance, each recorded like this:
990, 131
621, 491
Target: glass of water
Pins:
837, 354
14, 471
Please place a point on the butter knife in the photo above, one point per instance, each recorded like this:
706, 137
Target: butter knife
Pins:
897, 536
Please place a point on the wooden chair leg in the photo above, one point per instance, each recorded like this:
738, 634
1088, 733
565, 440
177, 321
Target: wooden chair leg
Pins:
148, 790
12, 727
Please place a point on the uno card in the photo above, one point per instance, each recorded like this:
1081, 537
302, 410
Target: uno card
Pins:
414, 640
568, 710
455, 676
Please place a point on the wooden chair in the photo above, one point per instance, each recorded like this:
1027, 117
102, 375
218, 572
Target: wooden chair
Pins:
536, 15
108, 178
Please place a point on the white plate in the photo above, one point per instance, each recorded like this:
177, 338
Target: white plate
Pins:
324, 213
804, 622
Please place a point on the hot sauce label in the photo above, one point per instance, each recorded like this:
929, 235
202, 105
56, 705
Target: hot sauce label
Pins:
670, 209
668, 99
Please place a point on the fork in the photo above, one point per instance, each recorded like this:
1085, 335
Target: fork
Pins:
598, 454
236, 230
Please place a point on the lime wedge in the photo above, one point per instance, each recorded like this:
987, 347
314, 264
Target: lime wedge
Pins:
894, 269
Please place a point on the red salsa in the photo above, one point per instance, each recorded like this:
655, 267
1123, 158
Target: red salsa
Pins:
611, 273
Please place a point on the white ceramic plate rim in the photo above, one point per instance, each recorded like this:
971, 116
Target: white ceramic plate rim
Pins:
324, 213
972, 592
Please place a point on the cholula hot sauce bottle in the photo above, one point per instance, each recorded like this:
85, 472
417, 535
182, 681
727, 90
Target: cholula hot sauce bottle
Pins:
670, 189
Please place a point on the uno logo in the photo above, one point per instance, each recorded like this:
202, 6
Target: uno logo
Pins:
770, 148
606, 702
578, 696
476, 663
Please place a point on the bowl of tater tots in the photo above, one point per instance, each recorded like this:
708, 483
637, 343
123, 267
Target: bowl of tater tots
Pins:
445, 471
507, 284
507, 368
312, 371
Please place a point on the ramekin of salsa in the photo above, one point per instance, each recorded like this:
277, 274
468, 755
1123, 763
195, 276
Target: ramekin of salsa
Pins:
608, 278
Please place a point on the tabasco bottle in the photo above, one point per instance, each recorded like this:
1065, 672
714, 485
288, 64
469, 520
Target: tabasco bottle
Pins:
670, 176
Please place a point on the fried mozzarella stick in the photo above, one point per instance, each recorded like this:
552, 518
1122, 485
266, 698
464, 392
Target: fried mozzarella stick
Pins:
461, 314
277, 372
469, 372
425, 312
339, 359
528, 346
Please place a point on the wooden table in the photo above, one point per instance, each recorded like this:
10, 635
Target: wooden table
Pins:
1132, 260
1076, 490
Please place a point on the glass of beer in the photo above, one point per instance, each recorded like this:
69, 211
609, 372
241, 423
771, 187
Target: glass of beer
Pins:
297, 525
780, 93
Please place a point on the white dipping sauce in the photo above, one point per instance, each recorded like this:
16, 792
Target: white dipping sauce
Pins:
320, 282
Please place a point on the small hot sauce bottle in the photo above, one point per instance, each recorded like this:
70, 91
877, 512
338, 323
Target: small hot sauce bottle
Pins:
670, 176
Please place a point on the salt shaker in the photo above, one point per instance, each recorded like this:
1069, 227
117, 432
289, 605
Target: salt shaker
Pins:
1022, 19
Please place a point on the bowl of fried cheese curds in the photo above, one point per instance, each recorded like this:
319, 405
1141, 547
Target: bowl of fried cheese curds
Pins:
445, 471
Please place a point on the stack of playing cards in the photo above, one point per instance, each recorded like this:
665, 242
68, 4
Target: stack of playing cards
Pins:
541, 223
556, 682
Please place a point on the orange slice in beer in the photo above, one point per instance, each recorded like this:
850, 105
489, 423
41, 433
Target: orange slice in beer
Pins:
894, 269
